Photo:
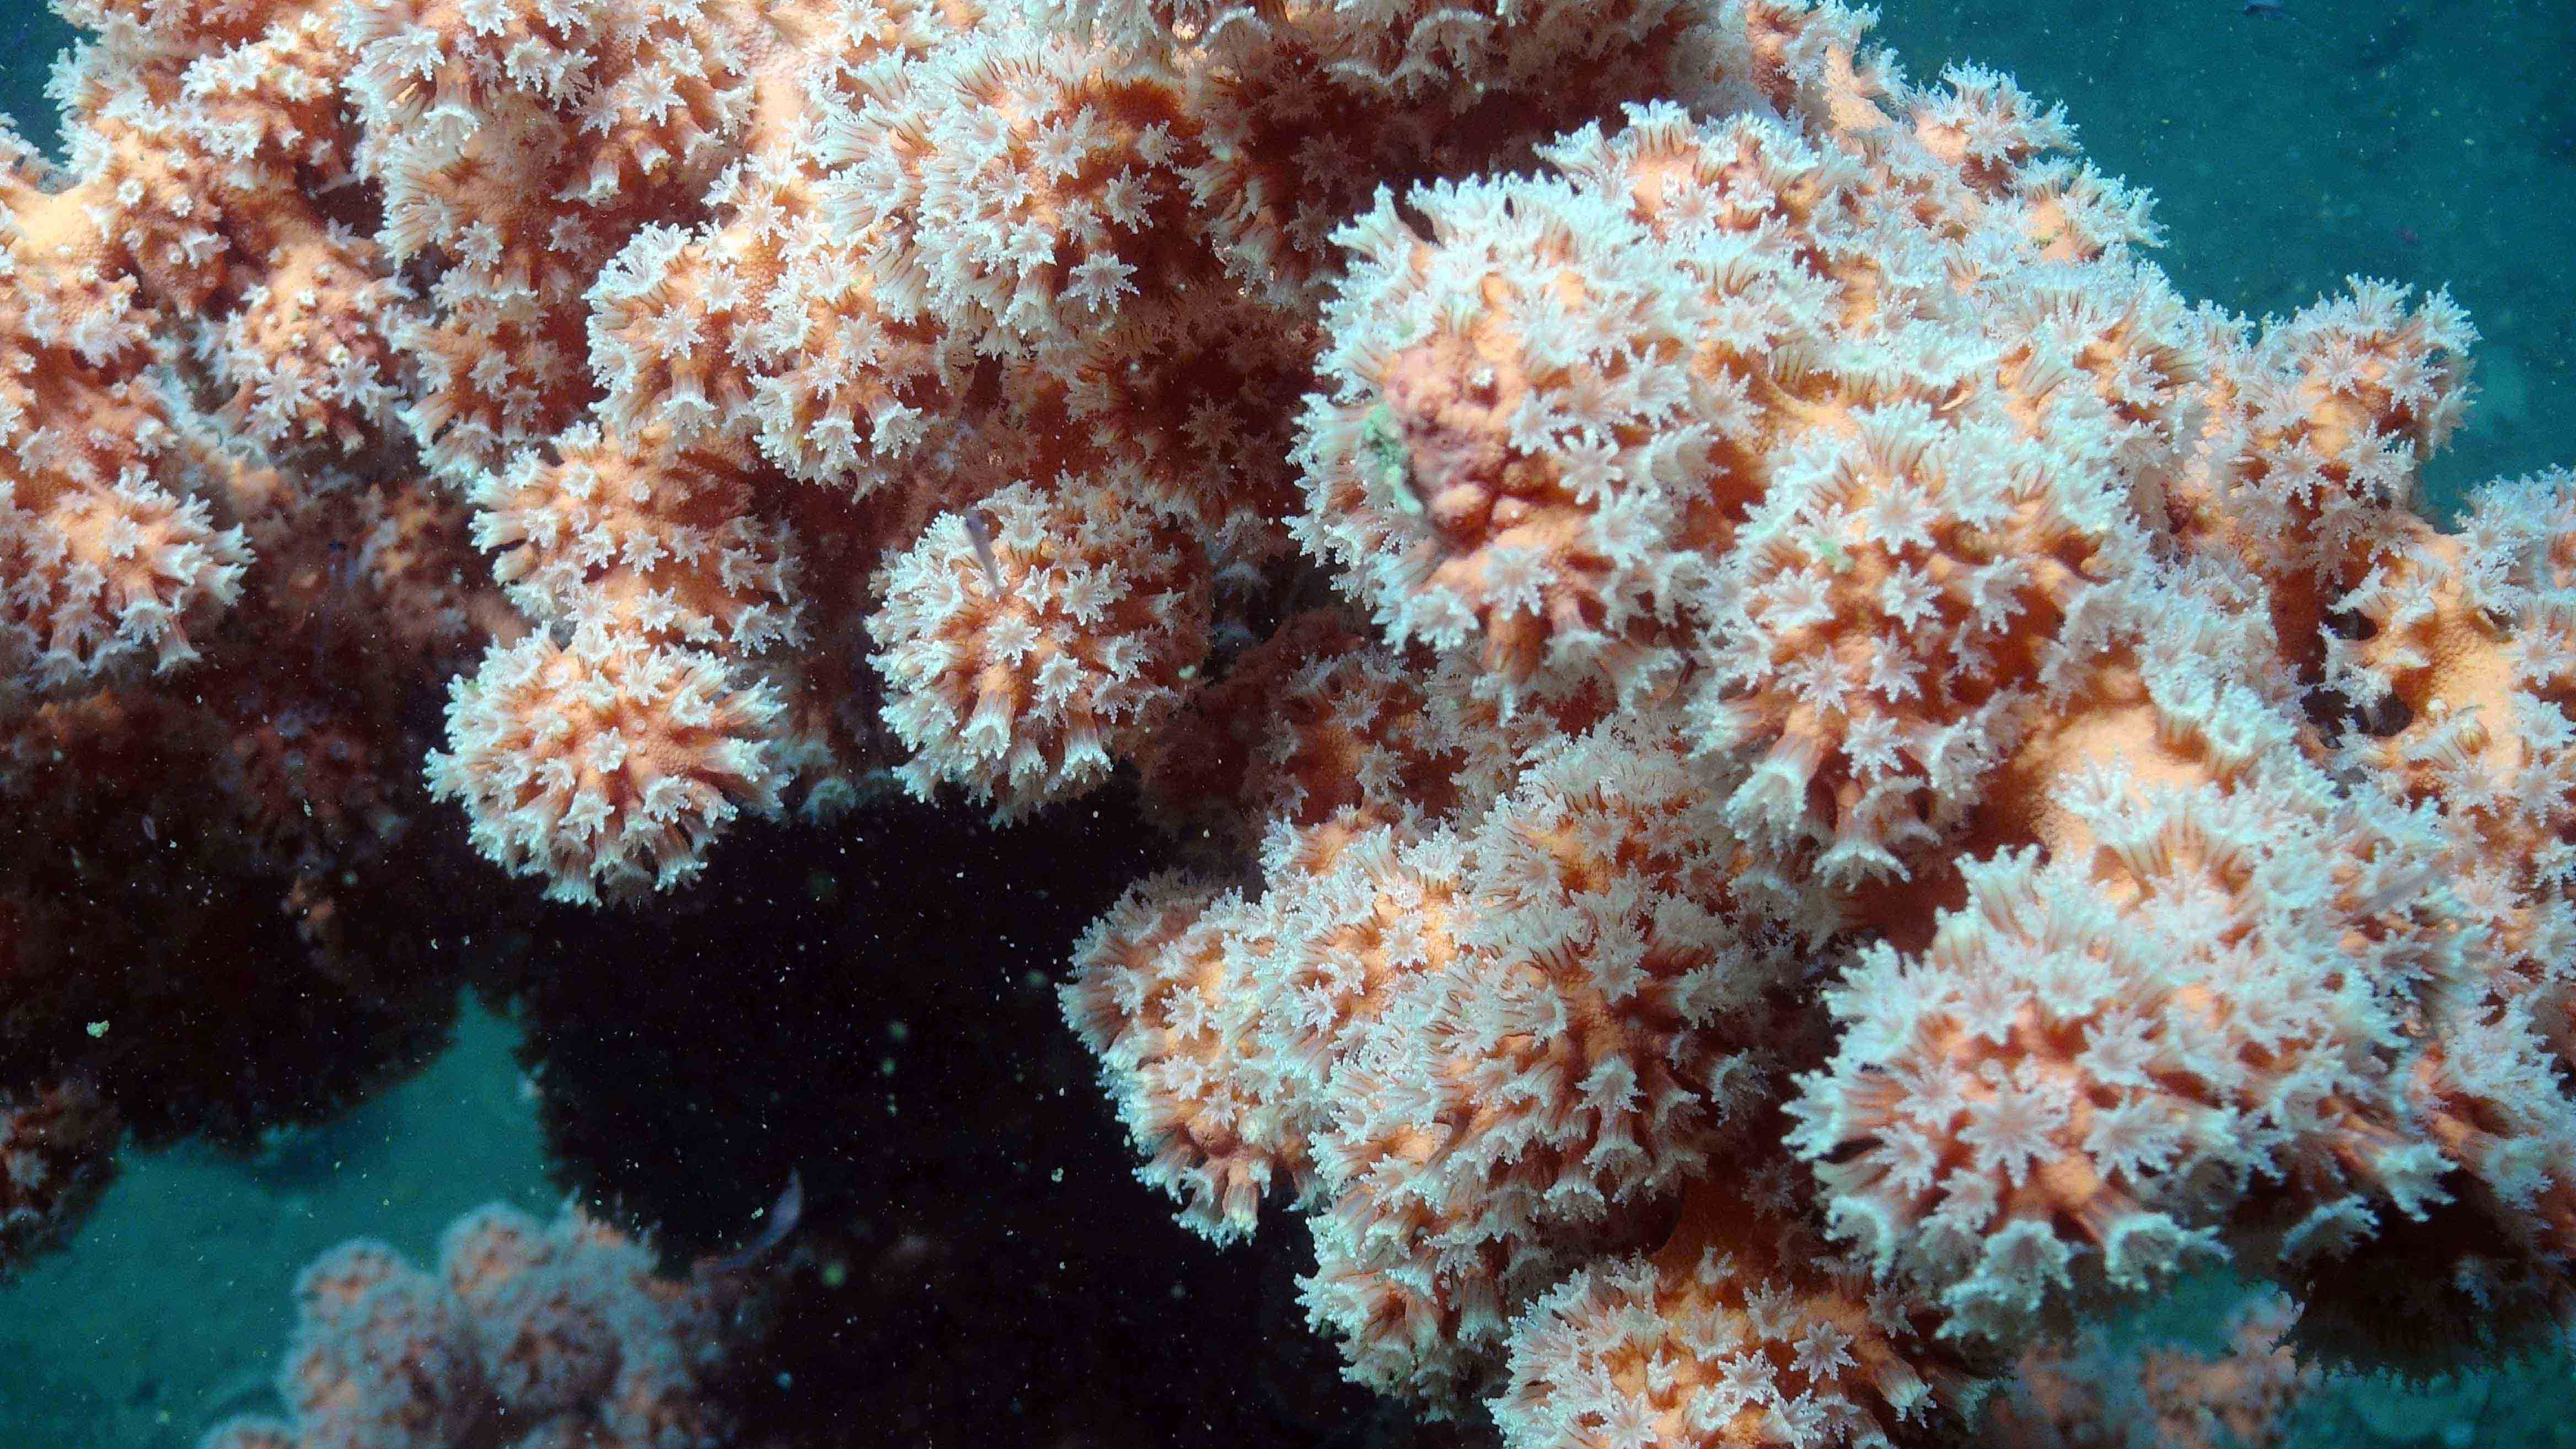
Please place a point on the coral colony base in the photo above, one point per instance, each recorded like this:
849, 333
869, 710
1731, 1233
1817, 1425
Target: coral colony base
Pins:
1797, 774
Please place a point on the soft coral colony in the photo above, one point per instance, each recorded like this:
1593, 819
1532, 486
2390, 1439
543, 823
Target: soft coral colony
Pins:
1868, 780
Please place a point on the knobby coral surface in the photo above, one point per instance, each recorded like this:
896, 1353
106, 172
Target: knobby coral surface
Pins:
524, 1335
1794, 771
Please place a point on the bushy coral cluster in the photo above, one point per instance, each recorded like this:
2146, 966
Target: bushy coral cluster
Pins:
525, 1334
2156, 1395
610, 761
2095, 1067
113, 561
57, 1153
2055, 681
1793, 771
1740, 1329
1476, 1047
1031, 642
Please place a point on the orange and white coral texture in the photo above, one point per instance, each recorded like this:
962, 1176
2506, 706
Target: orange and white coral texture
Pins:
1797, 773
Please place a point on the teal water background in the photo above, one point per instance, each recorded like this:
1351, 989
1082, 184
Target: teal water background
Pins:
171, 1308
2432, 141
